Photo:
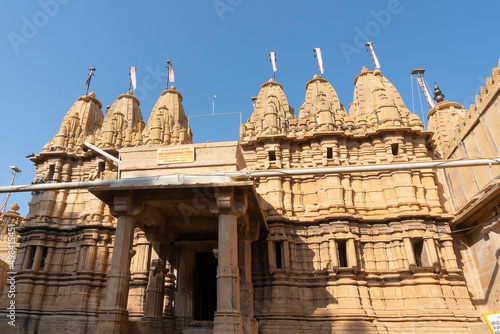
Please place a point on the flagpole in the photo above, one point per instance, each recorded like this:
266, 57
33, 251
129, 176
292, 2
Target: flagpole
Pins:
168, 72
87, 82
167, 76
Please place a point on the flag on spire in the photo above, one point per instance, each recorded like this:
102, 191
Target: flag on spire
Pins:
320, 60
376, 63
133, 78
170, 74
87, 82
273, 61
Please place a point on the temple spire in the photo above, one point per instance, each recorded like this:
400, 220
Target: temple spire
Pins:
123, 123
168, 124
81, 123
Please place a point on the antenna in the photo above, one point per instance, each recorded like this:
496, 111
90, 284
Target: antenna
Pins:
317, 54
376, 63
418, 73
213, 112
213, 104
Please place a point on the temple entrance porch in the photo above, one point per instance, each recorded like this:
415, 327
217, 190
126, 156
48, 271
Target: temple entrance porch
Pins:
201, 235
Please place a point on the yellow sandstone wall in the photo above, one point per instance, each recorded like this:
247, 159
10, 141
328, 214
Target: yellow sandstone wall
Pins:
471, 192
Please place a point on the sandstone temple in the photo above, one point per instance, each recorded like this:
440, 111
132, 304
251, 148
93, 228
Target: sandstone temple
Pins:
303, 226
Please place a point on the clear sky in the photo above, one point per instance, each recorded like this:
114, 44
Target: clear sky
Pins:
221, 47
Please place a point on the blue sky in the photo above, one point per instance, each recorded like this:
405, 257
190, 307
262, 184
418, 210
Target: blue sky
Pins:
221, 47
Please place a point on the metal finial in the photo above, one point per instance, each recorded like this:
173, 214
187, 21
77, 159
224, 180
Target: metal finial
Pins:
438, 95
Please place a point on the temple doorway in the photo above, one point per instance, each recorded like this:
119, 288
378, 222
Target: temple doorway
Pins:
205, 287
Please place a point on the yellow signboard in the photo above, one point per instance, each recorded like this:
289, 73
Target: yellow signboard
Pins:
493, 320
175, 154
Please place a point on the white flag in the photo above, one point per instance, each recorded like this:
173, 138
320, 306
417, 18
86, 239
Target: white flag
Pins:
273, 60
320, 60
171, 77
376, 63
133, 78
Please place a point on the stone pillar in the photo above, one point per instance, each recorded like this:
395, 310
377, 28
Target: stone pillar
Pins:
153, 311
228, 316
334, 255
38, 258
113, 316
352, 260
48, 260
410, 255
27, 258
286, 256
271, 254
431, 248
246, 287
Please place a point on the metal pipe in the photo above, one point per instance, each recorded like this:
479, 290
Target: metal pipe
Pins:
368, 168
180, 179
98, 150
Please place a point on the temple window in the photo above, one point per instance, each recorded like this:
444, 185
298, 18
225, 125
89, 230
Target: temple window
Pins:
272, 155
329, 153
278, 252
419, 249
395, 149
101, 166
342, 252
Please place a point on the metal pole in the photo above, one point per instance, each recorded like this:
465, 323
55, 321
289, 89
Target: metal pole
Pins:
98, 150
229, 177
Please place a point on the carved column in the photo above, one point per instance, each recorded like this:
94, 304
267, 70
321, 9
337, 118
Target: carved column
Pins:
431, 248
246, 286
48, 260
410, 255
27, 257
113, 316
38, 258
271, 254
228, 316
334, 255
352, 260
153, 311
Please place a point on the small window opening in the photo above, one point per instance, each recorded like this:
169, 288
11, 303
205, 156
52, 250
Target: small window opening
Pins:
44, 256
272, 155
101, 166
329, 153
31, 256
278, 252
395, 149
49, 176
342, 251
418, 250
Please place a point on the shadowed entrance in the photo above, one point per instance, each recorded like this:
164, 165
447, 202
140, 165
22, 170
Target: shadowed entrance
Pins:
205, 287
